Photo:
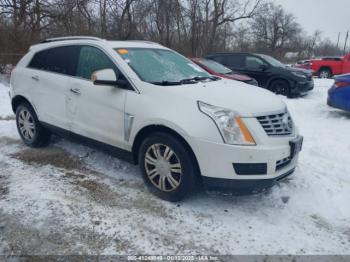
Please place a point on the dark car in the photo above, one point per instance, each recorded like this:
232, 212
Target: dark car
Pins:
339, 94
216, 69
269, 72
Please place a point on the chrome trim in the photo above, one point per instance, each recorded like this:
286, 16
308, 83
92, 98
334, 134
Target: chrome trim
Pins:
135, 89
275, 112
280, 124
128, 122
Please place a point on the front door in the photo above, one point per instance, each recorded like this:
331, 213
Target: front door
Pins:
96, 111
255, 67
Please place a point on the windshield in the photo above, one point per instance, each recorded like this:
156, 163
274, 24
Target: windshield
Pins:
272, 61
216, 67
161, 66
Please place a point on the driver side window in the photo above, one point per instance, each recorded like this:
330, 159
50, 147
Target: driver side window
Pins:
92, 59
254, 63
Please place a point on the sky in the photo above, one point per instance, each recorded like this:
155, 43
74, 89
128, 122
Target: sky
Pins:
329, 16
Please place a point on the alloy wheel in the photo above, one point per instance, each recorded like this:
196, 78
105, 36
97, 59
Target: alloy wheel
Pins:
324, 74
280, 88
163, 167
26, 124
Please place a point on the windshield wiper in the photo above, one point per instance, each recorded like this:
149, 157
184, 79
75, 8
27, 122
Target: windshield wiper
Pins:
167, 83
195, 79
192, 80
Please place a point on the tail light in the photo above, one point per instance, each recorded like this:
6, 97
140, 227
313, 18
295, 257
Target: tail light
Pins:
341, 84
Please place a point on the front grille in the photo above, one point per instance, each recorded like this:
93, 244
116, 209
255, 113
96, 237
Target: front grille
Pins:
283, 163
277, 124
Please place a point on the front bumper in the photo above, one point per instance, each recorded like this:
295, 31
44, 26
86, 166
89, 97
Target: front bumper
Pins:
263, 165
244, 185
302, 88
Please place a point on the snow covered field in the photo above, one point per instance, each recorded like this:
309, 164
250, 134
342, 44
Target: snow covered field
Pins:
70, 199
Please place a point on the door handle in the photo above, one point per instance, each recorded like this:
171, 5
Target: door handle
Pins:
36, 78
75, 91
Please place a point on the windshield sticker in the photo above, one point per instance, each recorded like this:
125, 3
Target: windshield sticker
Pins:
123, 51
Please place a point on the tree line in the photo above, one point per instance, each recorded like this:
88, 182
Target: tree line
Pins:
192, 27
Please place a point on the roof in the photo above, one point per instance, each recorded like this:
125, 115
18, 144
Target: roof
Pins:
51, 42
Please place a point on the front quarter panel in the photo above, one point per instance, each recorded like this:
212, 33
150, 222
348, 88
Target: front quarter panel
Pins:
179, 114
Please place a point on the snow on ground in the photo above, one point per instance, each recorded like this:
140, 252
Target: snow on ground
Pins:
5, 106
70, 199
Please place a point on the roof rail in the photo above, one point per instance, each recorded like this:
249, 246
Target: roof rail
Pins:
55, 39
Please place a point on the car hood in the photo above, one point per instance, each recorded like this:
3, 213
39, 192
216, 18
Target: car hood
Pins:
306, 72
247, 100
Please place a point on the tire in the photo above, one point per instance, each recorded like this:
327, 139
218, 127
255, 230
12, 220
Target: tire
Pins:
168, 184
280, 87
32, 133
325, 73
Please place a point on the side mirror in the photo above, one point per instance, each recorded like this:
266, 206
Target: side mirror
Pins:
263, 67
107, 77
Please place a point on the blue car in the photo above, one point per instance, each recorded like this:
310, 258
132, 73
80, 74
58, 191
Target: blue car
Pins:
339, 94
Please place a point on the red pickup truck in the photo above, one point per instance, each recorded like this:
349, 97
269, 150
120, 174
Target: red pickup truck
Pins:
328, 66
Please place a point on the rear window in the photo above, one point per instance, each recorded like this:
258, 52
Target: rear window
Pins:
233, 61
236, 61
39, 60
62, 60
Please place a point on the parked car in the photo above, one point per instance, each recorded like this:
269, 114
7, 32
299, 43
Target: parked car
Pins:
304, 64
219, 70
269, 72
151, 106
327, 67
339, 94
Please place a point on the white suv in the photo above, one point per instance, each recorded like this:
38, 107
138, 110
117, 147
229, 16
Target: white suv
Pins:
154, 107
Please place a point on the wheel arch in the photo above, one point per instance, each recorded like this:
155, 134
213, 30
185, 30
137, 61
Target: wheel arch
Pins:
19, 99
278, 78
325, 67
151, 129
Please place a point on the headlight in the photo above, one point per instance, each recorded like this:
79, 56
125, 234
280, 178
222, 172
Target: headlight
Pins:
229, 123
299, 74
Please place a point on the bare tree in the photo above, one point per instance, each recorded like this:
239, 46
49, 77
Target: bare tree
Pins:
274, 29
193, 27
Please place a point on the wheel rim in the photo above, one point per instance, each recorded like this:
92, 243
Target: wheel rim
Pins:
163, 167
324, 74
26, 124
280, 89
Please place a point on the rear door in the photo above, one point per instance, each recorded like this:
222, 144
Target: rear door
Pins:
233, 61
50, 71
96, 111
